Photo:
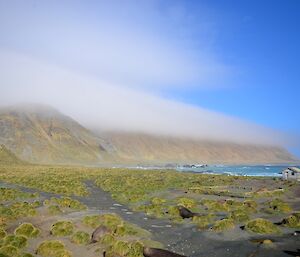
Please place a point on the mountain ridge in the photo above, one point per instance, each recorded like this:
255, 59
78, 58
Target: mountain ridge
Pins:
41, 134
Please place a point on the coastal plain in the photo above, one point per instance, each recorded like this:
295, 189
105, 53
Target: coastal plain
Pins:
59, 207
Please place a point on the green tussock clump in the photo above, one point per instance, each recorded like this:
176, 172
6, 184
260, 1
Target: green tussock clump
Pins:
215, 206
158, 201
3, 221
81, 238
13, 240
7, 194
232, 204
122, 248
250, 206
108, 239
26, 255
62, 228
2, 233
187, 202
28, 230
262, 226
223, 225
53, 248
204, 221
111, 221
239, 215
155, 210
292, 221
92, 221
114, 223
18, 210
54, 210
66, 202
9, 251
266, 193
277, 205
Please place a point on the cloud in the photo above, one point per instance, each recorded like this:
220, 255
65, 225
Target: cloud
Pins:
105, 63
141, 44
107, 106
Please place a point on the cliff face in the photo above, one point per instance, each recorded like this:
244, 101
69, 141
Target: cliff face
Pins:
40, 134
134, 148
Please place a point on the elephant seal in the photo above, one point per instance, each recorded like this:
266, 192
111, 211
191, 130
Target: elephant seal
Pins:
156, 252
185, 213
99, 233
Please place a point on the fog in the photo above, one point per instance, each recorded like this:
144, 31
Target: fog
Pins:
106, 63
100, 105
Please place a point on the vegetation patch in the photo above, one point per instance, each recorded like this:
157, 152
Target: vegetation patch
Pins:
187, 202
215, 206
2, 233
17, 210
9, 251
264, 192
13, 240
66, 202
62, 228
54, 210
277, 205
292, 221
262, 226
81, 238
222, 225
239, 215
53, 248
204, 221
28, 230
7, 194
250, 206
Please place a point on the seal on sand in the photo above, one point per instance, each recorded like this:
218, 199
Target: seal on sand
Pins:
186, 213
99, 233
156, 252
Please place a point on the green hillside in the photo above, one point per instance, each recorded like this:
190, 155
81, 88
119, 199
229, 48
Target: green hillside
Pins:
7, 157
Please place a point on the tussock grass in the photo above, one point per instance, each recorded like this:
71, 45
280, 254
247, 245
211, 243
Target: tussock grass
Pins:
7, 194
54, 209
53, 248
81, 238
28, 230
204, 221
223, 225
187, 202
66, 202
13, 240
62, 228
292, 221
262, 226
9, 251
277, 205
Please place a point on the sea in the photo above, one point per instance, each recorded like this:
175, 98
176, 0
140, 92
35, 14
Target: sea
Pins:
241, 170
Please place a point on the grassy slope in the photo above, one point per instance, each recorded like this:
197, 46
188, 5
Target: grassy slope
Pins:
43, 135
157, 149
7, 157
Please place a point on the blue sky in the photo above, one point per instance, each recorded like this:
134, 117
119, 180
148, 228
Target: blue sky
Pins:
262, 39
215, 59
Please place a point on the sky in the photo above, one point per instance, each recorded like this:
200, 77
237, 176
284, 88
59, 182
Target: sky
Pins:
223, 70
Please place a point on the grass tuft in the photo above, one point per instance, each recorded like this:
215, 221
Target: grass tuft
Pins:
62, 228
262, 226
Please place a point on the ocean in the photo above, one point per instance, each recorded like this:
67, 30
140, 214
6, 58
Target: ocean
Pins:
242, 170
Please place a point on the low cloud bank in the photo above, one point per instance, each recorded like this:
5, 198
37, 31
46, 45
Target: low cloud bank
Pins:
100, 105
